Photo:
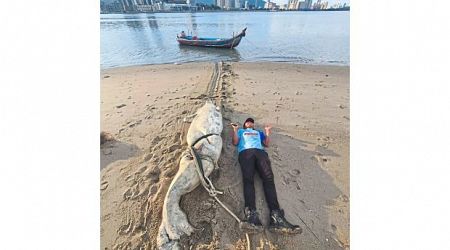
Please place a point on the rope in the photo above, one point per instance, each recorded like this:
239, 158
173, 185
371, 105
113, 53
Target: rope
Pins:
248, 241
208, 185
309, 229
204, 180
232, 43
199, 166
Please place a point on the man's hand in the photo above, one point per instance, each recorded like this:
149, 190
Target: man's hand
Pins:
234, 126
267, 129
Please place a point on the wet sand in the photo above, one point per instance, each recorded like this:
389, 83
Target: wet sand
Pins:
142, 110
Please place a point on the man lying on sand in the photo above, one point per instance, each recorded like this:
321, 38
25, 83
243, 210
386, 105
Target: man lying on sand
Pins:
251, 143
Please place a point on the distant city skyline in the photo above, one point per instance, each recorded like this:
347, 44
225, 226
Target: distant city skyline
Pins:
279, 2
330, 2
120, 6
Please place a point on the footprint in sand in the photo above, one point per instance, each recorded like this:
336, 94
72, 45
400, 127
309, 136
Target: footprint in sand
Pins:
343, 198
294, 172
125, 229
152, 175
135, 123
127, 194
319, 158
104, 185
288, 179
129, 178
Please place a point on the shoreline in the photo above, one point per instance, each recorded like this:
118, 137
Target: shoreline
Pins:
229, 61
142, 110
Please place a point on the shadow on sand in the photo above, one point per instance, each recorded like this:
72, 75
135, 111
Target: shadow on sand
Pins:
112, 151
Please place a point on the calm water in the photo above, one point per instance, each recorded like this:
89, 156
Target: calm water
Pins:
300, 37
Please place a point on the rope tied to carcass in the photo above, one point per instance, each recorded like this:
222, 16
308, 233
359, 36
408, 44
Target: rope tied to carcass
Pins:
207, 183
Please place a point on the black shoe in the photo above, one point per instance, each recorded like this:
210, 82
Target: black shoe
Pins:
251, 222
279, 224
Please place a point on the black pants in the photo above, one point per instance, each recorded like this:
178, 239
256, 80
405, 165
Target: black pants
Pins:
250, 159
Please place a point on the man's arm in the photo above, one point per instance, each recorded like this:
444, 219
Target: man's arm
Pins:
235, 134
266, 134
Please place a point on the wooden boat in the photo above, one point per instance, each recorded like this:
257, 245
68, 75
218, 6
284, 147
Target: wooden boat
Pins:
212, 42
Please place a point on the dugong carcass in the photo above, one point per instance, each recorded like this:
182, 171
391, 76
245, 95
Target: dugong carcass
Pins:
208, 120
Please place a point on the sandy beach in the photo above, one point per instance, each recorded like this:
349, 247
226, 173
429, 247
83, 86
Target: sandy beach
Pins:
142, 111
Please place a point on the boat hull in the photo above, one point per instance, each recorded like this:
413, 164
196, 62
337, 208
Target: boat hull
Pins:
214, 43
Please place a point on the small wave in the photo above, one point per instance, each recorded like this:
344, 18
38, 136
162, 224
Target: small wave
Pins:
337, 62
285, 59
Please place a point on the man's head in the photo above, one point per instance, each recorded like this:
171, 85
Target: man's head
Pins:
249, 123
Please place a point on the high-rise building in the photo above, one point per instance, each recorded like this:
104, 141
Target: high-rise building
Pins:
221, 3
293, 4
305, 5
271, 5
238, 4
259, 4
111, 7
128, 5
319, 5
229, 4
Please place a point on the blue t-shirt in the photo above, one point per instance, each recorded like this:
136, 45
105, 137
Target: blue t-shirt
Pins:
250, 138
